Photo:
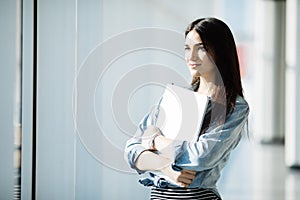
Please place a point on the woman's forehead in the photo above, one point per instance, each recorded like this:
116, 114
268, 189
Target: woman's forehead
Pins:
193, 37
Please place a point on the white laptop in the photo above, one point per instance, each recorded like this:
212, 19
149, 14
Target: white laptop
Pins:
181, 113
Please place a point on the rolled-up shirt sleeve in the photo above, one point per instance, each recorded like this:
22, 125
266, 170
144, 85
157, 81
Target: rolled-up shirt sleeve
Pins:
213, 145
133, 146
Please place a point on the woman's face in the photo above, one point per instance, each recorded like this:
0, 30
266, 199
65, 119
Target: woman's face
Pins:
196, 57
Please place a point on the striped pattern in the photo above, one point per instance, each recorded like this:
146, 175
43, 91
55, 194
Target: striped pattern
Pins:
17, 184
17, 192
183, 193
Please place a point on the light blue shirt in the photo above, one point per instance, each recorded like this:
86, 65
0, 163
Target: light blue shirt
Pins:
207, 156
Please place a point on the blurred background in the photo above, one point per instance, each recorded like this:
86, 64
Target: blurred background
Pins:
77, 76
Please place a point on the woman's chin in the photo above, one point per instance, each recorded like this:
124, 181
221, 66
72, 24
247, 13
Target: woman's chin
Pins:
194, 73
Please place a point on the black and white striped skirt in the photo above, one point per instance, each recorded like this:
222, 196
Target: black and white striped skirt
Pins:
183, 193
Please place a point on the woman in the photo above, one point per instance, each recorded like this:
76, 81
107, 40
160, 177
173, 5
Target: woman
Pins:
195, 167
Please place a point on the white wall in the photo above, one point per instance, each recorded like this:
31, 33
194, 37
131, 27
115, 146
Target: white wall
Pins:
292, 153
69, 166
9, 63
73, 159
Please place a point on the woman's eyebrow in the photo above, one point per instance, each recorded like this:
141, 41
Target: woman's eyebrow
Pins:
197, 44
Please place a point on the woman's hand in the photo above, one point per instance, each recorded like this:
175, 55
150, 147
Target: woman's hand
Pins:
183, 178
148, 137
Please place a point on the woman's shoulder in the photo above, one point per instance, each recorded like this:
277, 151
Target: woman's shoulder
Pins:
241, 104
241, 101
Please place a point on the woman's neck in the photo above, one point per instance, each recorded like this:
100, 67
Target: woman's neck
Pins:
207, 86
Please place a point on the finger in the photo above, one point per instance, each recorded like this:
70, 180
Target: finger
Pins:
182, 184
188, 176
189, 171
185, 180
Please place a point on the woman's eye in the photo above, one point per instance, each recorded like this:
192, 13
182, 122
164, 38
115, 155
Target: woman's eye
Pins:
186, 48
201, 49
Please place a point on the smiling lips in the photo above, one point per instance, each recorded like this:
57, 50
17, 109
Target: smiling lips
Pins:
194, 65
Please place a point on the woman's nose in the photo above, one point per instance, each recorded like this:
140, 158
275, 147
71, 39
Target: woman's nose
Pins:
194, 55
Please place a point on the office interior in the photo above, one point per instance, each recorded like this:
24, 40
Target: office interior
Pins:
77, 76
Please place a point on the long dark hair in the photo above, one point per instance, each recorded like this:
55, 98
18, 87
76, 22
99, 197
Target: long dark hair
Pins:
220, 45
218, 41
